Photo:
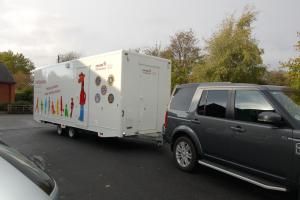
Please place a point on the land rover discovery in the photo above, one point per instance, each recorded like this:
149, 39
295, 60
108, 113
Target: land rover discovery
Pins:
251, 132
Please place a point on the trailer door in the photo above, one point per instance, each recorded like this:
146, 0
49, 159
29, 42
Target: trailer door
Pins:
148, 91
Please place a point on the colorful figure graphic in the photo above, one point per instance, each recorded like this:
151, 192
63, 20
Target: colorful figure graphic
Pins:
52, 108
48, 105
82, 97
61, 106
72, 107
37, 105
57, 107
42, 106
66, 111
45, 104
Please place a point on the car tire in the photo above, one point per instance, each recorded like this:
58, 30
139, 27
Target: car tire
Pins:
185, 154
72, 133
59, 130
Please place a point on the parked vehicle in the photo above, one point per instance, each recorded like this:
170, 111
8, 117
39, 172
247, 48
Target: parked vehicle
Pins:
115, 94
248, 131
23, 179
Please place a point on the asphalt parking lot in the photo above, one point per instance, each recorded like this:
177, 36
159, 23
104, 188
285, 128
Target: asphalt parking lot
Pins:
95, 168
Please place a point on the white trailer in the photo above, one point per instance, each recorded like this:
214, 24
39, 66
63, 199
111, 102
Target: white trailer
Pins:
114, 94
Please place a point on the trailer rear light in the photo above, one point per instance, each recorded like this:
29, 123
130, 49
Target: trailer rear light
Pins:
166, 119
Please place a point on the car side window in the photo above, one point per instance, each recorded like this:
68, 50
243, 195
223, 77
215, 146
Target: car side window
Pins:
213, 103
249, 104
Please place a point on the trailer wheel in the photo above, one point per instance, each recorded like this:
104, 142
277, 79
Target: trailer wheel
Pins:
59, 130
72, 133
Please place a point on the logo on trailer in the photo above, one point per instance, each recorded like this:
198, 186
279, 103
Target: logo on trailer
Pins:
111, 98
103, 90
98, 80
97, 97
110, 80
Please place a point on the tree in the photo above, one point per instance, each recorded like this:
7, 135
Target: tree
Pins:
293, 66
184, 53
16, 62
23, 80
277, 77
232, 53
68, 56
20, 67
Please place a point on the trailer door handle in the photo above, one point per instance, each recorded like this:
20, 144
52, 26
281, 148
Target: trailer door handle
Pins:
237, 128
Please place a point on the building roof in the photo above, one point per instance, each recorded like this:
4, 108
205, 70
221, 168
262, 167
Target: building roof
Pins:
5, 75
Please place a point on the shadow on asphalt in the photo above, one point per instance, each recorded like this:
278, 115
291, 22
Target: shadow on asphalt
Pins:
219, 179
112, 144
212, 178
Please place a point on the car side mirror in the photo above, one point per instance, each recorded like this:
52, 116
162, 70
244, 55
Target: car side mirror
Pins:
269, 117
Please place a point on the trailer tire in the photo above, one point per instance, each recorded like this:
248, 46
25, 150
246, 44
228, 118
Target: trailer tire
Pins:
59, 130
72, 133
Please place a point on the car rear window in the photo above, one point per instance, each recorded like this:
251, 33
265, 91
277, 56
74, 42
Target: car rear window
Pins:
182, 98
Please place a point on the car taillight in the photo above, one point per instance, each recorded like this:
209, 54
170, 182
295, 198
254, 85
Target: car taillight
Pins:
166, 119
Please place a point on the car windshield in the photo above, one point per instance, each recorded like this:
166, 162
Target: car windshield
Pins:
290, 100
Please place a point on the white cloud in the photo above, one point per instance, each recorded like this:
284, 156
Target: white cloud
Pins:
42, 29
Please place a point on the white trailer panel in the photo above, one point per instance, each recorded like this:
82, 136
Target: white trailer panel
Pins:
114, 94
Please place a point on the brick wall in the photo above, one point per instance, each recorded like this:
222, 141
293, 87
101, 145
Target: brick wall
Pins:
7, 93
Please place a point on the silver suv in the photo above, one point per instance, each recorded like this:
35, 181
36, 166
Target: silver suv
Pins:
22, 179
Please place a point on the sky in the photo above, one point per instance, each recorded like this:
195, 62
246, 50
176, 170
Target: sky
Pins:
42, 29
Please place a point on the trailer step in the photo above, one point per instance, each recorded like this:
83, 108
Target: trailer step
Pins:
244, 176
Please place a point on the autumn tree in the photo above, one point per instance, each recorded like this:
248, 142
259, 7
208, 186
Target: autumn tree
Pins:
20, 67
184, 53
293, 67
232, 53
68, 56
276, 77
16, 62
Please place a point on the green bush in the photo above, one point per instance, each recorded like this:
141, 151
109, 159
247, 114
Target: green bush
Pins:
3, 106
25, 95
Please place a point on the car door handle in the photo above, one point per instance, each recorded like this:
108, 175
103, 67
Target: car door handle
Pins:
237, 128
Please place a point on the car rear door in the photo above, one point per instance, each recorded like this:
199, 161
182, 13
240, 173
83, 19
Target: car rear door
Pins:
210, 123
263, 147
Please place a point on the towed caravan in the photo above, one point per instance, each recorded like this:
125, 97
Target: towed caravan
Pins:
115, 94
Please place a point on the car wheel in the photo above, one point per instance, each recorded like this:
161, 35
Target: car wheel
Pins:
59, 130
185, 154
72, 133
